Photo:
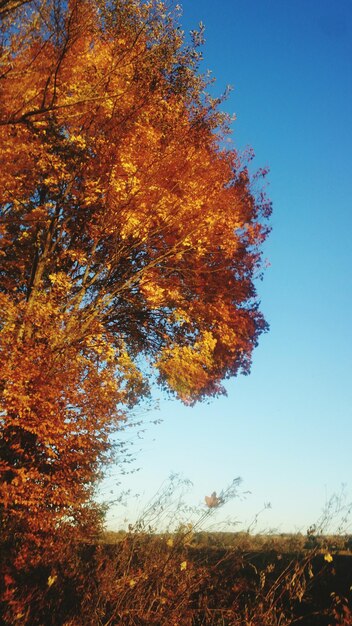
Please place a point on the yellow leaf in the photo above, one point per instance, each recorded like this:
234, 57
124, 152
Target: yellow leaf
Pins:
51, 580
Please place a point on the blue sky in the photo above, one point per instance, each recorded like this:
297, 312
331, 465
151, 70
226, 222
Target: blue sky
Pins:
287, 428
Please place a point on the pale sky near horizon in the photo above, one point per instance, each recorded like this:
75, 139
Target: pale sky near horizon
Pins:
286, 429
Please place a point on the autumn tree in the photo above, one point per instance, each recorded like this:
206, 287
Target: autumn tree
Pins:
130, 239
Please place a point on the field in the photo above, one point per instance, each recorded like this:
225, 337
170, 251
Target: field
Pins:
192, 579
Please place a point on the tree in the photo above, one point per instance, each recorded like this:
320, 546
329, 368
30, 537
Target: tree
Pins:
130, 239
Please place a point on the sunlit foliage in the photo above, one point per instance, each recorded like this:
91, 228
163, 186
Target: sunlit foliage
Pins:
130, 238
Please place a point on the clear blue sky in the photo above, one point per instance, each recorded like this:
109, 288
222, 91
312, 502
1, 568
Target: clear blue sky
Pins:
287, 428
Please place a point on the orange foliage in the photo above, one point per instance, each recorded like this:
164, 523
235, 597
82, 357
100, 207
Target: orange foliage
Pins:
129, 236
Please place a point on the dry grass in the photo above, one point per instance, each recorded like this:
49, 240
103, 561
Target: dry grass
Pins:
176, 578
